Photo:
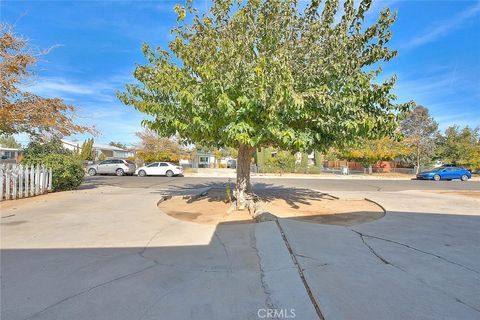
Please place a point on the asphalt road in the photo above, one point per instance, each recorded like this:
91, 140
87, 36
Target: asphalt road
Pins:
319, 184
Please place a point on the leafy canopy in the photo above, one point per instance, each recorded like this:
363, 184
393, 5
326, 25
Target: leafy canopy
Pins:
155, 148
37, 149
419, 130
369, 152
266, 73
460, 146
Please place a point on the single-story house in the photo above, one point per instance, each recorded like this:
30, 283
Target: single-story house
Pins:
9, 155
200, 160
108, 151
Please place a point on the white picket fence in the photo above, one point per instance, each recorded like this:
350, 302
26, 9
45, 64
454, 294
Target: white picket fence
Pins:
19, 181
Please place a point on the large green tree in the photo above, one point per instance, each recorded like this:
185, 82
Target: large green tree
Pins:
255, 73
420, 131
155, 148
460, 146
369, 152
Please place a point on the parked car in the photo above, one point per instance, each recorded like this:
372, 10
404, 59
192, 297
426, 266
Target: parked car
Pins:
118, 167
160, 169
448, 172
232, 164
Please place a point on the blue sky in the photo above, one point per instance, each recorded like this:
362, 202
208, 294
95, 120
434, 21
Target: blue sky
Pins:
97, 44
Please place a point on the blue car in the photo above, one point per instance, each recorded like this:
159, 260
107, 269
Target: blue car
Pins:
445, 173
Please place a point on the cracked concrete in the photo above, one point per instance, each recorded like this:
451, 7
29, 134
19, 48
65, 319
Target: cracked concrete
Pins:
440, 286
407, 265
97, 254
370, 248
362, 236
279, 274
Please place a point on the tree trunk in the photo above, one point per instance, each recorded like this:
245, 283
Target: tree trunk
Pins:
243, 187
418, 160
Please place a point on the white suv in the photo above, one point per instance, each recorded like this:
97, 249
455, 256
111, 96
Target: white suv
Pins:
119, 167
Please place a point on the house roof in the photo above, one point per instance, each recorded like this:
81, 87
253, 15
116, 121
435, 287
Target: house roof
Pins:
97, 146
107, 147
9, 149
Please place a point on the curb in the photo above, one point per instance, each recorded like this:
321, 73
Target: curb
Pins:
378, 204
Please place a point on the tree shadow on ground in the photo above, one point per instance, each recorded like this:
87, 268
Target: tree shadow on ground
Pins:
206, 203
267, 192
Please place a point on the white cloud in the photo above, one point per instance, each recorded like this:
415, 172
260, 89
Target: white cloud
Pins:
57, 87
444, 27
103, 91
449, 95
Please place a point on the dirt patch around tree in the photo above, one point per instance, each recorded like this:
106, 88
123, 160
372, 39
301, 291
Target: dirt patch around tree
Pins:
298, 204
203, 210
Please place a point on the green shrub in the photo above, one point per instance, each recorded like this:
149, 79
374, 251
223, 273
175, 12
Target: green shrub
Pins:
67, 171
36, 149
314, 170
283, 162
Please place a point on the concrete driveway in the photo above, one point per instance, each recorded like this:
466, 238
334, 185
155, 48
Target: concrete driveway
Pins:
421, 261
107, 252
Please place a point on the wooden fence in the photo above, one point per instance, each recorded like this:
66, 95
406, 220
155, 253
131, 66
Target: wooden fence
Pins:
19, 181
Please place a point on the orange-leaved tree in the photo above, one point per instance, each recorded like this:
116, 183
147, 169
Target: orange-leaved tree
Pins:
22, 111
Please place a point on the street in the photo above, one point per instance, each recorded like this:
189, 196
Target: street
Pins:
319, 184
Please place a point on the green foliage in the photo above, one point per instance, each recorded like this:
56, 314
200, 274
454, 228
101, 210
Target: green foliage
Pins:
67, 170
158, 156
217, 153
9, 141
155, 148
318, 159
263, 73
118, 145
303, 168
231, 152
332, 154
314, 170
282, 162
87, 153
37, 149
369, 152
460, 146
